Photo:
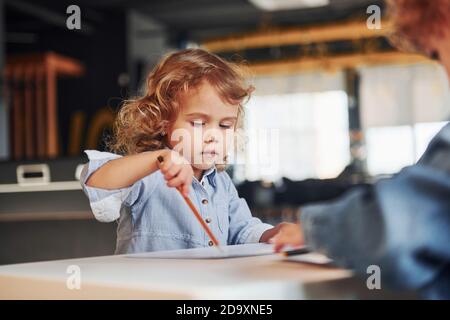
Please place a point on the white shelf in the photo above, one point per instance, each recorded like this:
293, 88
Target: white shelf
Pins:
52, 186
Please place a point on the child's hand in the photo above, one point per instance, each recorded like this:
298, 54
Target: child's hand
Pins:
177, 171
284, 234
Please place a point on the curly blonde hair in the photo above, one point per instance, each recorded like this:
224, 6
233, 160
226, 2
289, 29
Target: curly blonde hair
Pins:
141, 123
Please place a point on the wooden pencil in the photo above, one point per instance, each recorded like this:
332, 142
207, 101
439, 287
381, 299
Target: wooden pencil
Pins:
196, 213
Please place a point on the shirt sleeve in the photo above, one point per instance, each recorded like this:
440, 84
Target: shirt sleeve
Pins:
243, 227
401, 224
106, 203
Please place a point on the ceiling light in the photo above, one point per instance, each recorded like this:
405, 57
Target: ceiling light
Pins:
274, 5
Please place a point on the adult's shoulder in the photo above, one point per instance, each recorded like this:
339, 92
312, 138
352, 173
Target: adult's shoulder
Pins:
437, 154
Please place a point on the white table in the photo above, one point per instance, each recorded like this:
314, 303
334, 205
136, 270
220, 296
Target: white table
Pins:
125, 277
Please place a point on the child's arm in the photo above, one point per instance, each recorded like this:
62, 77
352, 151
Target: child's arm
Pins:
243, 228
247, 229
110, 180
125, 171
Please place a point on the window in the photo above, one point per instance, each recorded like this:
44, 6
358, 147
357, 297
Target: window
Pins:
402, 107
424, 133
296, 135
389, 149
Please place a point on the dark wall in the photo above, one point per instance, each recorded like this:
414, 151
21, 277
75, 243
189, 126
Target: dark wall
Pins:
28, 241
100, 45
3, 127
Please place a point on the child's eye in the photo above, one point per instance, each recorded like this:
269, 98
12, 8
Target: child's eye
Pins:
226, 125
197, 123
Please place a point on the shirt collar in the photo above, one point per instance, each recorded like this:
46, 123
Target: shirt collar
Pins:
210, 174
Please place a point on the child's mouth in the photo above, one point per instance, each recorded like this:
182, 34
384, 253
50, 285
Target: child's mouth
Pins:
209, 154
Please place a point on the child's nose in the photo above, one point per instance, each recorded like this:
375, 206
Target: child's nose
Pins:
210, 139
212, 135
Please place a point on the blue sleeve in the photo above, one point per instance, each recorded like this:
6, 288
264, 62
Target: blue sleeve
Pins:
401, 224
106, 204
243, 227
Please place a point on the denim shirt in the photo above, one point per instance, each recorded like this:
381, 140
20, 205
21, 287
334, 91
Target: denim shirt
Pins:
152, 216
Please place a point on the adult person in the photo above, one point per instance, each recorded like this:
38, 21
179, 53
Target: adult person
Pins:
401, 224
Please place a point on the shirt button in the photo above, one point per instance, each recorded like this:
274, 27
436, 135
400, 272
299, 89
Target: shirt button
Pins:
208, 220
205, 201
210, 243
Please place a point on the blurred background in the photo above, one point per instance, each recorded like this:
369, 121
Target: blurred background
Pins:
347, 107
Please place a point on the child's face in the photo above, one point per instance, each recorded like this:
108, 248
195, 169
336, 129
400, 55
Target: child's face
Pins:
204, 127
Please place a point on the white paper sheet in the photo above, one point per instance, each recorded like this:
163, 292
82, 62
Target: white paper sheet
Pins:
312, 257
225, 252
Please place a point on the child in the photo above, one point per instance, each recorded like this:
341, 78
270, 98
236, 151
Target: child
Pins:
192, 100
